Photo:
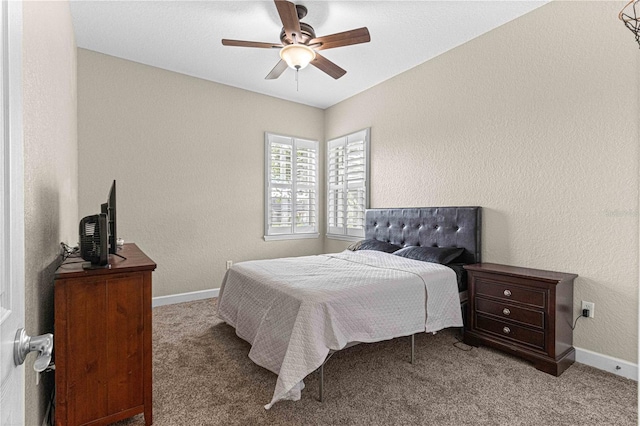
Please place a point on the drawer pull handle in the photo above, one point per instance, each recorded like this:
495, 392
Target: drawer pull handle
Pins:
506, 311
506, 330
507, 293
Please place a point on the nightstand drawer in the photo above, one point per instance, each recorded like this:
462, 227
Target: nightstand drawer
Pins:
510, 292
507, 311
507, 330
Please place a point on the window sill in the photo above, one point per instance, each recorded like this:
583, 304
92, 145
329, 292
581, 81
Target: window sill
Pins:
290, 237
344, 237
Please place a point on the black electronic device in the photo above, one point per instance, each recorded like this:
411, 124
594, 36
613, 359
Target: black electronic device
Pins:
98, 236
109, 208
93, 239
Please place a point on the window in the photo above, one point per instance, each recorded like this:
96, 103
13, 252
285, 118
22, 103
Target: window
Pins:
291, 188
347, 185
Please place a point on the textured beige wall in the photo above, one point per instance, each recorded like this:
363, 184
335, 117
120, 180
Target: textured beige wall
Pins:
536, 121
51, 172
188, 157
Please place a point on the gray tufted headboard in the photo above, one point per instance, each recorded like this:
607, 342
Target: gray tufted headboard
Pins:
428, 226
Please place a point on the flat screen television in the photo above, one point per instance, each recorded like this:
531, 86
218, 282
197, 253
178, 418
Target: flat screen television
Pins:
109, 208
98, 236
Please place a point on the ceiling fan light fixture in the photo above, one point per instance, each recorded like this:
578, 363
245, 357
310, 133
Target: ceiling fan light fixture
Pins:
297, 56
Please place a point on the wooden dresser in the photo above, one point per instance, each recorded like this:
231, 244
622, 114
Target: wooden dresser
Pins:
525, 312
102, 340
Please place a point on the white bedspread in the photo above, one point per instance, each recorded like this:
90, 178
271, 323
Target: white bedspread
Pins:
294, 310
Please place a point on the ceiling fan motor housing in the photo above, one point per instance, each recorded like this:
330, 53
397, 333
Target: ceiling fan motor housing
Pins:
308, 33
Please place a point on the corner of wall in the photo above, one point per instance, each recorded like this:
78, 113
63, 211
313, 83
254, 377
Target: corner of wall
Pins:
51, 170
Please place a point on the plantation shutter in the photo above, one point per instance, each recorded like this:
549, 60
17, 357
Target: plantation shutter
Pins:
347, 190
291, 187
280, 190
355, 171
306, 182
335, 196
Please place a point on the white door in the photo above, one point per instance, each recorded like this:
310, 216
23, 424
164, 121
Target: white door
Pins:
11, 213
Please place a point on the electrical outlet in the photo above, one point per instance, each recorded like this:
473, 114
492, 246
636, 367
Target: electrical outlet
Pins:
591, 307
229, 264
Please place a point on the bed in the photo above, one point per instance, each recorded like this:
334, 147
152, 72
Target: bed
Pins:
296, 312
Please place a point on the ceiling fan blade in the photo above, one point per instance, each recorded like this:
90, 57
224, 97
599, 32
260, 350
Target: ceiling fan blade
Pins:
346, 38
289, 17
277, 70
323, 64
242, 43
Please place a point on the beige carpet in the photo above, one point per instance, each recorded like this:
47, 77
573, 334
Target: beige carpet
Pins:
202, 376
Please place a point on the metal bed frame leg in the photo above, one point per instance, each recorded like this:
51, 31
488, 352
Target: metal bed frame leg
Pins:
322, 382
413, 348
321, 368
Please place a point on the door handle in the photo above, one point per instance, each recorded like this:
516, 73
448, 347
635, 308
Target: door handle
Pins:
24, 344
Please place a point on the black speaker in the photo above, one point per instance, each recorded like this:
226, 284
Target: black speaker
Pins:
93, 239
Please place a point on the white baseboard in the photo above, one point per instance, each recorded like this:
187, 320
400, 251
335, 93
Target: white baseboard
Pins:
607, 363
184, 297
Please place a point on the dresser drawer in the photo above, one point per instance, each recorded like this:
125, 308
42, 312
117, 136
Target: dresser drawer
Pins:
507, 330
510, 292
531, 317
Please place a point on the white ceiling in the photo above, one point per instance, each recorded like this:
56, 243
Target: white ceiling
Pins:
185, 37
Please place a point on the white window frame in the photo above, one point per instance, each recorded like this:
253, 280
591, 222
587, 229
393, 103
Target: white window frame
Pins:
272, 233
336, 228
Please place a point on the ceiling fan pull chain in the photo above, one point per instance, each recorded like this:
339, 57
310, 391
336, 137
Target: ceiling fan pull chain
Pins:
297, 69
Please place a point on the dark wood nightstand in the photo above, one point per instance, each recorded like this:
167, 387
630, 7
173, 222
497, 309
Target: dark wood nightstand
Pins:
525, 312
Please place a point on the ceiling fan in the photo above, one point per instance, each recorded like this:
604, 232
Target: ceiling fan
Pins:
299, 45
